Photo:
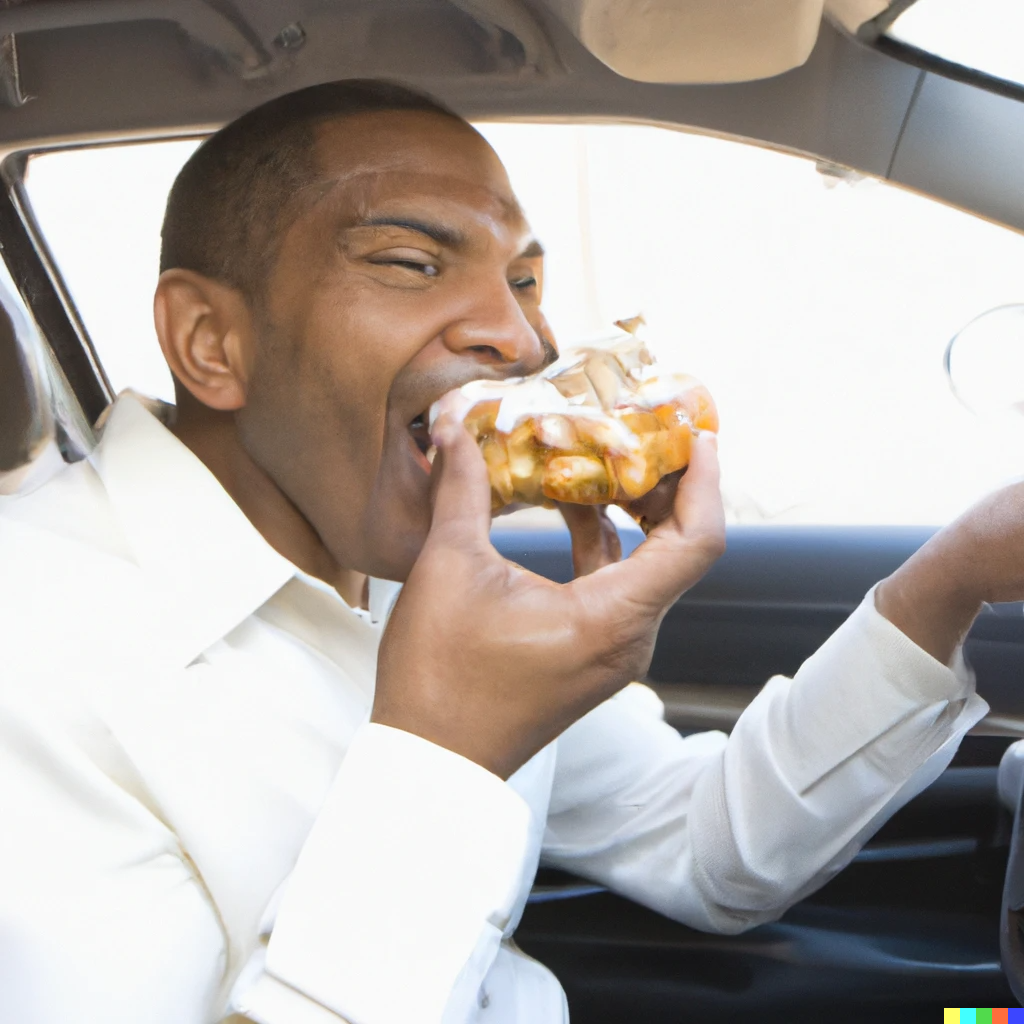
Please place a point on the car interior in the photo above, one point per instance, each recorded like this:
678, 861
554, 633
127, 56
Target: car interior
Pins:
914, 923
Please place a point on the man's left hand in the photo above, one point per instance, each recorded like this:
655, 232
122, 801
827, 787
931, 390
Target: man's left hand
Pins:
936, 594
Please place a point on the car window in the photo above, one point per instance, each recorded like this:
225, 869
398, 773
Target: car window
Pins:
815, 303
983, 35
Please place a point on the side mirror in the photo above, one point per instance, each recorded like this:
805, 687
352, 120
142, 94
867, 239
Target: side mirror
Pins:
985, 362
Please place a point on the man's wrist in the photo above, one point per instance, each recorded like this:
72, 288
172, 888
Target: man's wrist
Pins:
926, 600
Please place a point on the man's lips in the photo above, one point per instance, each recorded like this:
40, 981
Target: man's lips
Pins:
430, 392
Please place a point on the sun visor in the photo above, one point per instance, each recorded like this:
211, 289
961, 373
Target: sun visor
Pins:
695, 41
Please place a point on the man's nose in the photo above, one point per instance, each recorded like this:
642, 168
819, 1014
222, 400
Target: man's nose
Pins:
495, 328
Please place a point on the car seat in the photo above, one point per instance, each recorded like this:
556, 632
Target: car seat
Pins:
28, 447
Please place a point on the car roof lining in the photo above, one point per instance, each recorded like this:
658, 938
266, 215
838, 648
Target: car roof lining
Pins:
673, 41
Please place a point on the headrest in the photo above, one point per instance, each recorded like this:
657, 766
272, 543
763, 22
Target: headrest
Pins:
26, 420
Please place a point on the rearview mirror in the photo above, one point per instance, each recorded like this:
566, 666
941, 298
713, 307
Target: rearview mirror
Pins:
985, 362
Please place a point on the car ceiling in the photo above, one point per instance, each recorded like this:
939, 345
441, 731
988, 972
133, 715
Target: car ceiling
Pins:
93, 70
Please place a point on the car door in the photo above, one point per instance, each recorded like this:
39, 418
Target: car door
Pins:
911, 925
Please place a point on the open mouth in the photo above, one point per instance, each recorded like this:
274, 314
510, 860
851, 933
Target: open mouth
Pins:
419, 431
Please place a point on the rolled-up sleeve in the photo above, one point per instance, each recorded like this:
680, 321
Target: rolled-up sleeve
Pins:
724, 833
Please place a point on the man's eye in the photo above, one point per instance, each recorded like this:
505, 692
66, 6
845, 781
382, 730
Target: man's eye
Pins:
426, 269
522, 284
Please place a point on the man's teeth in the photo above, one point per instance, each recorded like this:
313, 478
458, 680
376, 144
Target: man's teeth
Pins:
431, 452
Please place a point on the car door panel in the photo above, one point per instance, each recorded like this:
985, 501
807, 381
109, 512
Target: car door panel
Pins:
911, 925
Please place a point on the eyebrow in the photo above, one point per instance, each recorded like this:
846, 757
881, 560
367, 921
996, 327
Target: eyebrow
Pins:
444, 235
440, 233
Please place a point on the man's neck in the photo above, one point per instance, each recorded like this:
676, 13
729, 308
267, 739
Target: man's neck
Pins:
212, 438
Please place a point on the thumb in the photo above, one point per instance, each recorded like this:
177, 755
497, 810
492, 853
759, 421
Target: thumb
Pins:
460, 488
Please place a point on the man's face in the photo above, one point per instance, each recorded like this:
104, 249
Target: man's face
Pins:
409, 271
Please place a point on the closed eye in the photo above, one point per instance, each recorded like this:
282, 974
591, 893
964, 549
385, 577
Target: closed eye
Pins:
427, 269
522, 284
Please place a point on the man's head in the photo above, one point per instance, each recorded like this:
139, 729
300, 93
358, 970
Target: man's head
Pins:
332, 263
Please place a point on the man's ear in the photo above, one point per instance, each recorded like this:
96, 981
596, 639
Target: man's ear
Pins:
206, 333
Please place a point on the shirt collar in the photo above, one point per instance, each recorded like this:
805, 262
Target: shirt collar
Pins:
211, 567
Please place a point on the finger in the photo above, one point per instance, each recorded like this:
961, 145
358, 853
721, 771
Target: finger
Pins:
507, 510
676, 554
460, 488
698, 506
657, 504
595, 541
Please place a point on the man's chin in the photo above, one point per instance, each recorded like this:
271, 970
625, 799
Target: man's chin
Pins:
393, 572
391, 554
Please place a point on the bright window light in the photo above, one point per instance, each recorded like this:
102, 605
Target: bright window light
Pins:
984, 35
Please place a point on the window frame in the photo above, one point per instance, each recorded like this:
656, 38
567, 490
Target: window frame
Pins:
875, 34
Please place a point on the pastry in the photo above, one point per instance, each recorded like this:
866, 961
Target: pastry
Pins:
602, 425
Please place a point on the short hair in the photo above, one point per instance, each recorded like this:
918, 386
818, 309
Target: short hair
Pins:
224, 212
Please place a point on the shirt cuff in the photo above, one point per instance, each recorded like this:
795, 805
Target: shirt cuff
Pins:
262, 999
403, 888
904, 648
865, 680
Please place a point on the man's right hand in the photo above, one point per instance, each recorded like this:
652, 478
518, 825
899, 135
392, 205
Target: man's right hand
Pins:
494, 662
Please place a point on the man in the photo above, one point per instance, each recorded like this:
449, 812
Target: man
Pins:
220, 799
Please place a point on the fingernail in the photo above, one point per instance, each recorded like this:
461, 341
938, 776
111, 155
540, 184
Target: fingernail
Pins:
710, 437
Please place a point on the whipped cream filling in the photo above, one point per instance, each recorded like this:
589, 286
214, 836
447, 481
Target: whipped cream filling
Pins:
536, 397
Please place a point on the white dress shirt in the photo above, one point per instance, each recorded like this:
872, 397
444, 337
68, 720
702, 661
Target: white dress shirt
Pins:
199, 820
